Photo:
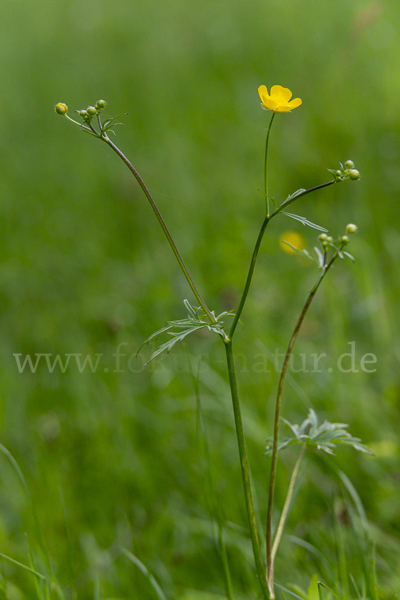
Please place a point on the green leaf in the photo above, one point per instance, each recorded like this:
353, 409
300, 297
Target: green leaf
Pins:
295, 194
323, 437
292, 594
350, 256
110, 122
304, 221
321, 260
322, 585
144, 570
301, 252
193, 322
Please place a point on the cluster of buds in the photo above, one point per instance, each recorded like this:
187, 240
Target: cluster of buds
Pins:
345, 172
88, 113
327, 240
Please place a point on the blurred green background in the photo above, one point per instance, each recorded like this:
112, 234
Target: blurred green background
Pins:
113, 458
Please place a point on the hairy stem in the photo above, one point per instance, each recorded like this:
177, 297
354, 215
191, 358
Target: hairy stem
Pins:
244, 463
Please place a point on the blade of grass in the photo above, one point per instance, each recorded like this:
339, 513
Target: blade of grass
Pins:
145, 572
25, 487
322, 585
214, 506
16, 562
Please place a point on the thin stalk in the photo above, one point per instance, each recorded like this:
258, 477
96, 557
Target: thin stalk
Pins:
249, 277
163, 225
266, 164
286, 506
313, 189
270, 562
259, 239
244, 463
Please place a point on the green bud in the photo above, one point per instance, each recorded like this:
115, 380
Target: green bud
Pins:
349, 164
329, 239
338, 173
351, 228
323, 237
344, 240
83, 113
61, 108
101, 104
354, 174
91, 111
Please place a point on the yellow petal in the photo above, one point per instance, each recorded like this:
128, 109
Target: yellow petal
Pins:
270, 103
263, 92
295, 103
283, 108
283, 93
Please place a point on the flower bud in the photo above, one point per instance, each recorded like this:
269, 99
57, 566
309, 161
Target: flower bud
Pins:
349, 164
344, 240
323, 237
329, 239
351, 228
83, 113
338, 173
101, 104
61, 108
354, 174
91, 111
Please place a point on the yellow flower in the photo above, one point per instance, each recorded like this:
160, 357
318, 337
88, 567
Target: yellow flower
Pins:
295, 239
278, 101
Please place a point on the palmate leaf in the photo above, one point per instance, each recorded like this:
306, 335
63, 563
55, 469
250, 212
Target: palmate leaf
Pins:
322, 437
181, 328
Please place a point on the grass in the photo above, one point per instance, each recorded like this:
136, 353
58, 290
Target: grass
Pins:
111, 460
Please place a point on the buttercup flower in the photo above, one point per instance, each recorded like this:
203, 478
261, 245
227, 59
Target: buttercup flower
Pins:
294, 239
278, 101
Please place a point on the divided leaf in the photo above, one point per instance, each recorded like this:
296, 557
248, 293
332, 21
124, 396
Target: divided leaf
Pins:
303, 220
183, 327
322, 437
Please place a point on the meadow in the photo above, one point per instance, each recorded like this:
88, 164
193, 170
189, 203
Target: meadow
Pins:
110, 469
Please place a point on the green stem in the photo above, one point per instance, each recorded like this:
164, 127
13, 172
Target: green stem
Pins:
259, 239
286, 506
266, 164
163, 225
313, 189
249, 277
270, 562
244, 463
258, 244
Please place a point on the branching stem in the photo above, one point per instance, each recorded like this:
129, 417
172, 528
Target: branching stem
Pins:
270, 556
